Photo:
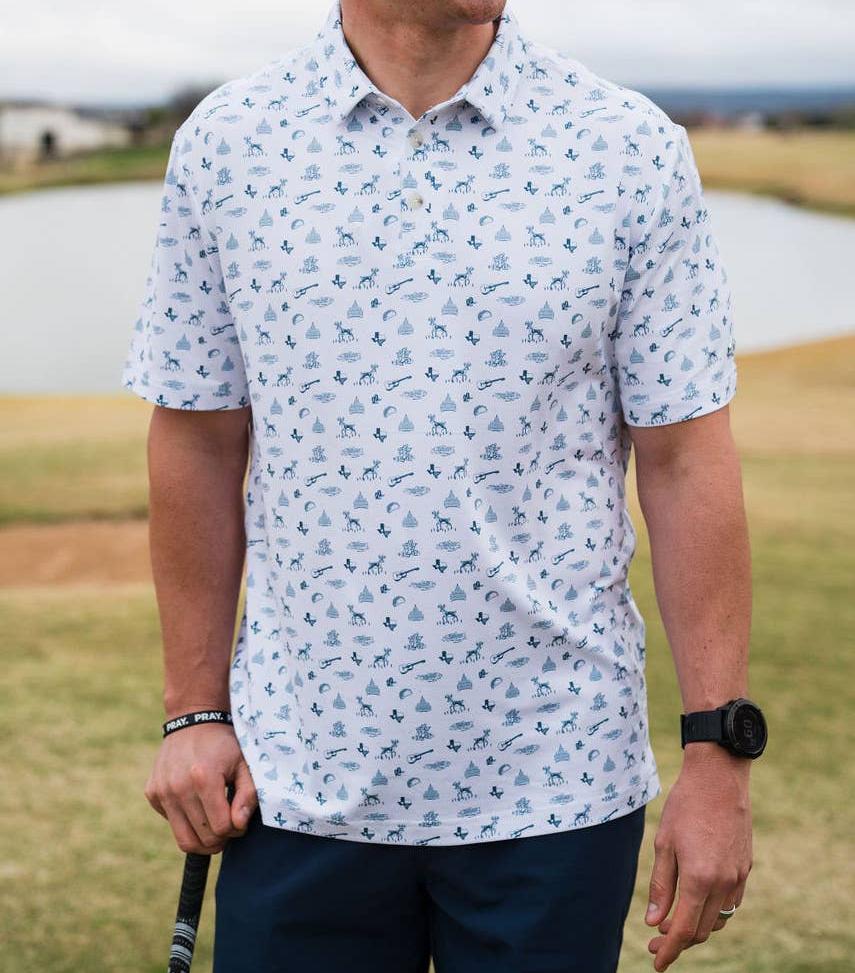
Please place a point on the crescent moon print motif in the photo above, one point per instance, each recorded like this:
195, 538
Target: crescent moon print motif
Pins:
442, 329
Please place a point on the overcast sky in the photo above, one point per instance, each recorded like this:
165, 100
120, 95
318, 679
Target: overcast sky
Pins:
134, 51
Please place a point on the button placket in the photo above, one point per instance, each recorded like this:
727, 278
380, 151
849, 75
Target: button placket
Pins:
414, 199
413, 202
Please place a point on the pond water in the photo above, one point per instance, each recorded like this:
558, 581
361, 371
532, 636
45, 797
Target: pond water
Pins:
73, 263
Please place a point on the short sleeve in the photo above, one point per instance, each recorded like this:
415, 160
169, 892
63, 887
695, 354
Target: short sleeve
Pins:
184, 351
673, 346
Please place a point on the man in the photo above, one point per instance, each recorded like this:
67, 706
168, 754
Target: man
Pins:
434, 279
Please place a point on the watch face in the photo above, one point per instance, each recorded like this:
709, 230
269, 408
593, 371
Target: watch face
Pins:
746, 728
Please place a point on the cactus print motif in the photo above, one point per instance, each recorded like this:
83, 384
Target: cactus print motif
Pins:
442, 329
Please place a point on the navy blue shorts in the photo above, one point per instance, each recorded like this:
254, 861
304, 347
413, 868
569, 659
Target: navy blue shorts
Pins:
289, 902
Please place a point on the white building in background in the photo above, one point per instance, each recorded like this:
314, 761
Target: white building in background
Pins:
37, 130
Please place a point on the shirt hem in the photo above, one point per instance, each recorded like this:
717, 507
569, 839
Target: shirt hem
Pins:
474, 830
705, 407
189, 398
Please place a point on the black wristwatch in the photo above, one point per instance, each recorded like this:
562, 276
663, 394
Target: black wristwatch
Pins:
739, 726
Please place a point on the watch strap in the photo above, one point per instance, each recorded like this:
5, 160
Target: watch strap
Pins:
702, 725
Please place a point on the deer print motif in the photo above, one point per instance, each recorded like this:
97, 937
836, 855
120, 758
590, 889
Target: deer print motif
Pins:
437, 350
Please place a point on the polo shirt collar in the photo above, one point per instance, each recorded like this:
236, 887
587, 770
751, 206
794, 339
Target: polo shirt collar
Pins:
490, 89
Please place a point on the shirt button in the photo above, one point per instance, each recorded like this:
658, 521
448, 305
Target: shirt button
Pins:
415, 201
415, 138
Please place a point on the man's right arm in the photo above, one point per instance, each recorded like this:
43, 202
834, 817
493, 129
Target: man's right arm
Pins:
197, 464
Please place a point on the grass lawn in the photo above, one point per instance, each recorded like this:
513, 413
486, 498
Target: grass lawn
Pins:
105, 165
90, 873
810, 168
68, 457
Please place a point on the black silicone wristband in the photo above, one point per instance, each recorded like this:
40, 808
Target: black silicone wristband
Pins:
194, 719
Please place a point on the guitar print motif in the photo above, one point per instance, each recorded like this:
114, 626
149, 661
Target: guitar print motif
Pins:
442, 329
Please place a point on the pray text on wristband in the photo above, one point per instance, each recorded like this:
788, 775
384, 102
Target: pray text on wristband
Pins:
193, 719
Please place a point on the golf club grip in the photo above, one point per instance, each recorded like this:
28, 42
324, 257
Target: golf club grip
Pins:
190, 900
189, 909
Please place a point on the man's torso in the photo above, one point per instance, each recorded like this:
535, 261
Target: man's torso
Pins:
439, 642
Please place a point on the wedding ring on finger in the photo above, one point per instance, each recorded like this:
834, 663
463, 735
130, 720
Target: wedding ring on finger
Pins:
727, 913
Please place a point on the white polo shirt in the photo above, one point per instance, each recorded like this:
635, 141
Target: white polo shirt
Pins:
443, 327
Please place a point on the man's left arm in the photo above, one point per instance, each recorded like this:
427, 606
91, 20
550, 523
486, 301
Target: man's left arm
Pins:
690, 489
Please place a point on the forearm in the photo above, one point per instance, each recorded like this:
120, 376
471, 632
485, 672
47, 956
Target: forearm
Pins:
197, 544
693, 505
690, 487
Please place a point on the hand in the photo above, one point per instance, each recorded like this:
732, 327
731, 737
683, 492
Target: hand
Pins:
704, 837
188, 782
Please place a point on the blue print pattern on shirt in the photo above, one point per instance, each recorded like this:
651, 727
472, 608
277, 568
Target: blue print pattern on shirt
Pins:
443, 328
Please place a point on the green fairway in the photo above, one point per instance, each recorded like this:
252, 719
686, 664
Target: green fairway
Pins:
91, 873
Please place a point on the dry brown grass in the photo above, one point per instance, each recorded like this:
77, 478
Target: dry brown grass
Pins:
804, 166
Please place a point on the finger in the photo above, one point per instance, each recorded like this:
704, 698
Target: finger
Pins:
195, 813
665, 925
681, 930
663, 884
245, 799
732, 898
185, 835
153, 798
211, 791
710, 916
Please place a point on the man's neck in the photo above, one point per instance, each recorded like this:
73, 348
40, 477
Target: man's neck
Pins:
414, 53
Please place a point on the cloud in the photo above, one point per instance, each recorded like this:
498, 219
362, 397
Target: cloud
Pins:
126, 52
